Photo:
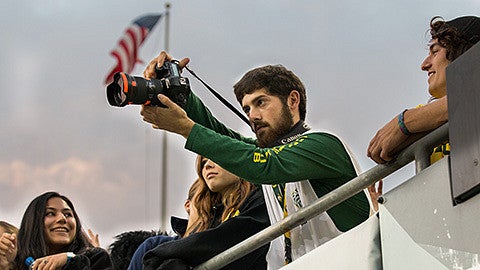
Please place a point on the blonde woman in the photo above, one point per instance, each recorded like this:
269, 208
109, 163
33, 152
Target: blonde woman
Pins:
224, 211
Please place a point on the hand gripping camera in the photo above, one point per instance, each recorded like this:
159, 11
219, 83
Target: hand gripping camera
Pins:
126, 89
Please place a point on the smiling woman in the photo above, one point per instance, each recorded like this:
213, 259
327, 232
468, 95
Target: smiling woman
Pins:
60, 225
51, 235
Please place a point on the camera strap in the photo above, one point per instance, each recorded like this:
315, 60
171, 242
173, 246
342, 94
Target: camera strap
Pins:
219, 97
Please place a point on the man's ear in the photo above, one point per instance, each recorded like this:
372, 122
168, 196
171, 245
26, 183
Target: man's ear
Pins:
293, 100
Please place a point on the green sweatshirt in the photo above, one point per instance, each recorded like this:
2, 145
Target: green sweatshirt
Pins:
318, 157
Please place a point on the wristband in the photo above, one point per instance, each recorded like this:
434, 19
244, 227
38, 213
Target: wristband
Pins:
70, 255
401, 123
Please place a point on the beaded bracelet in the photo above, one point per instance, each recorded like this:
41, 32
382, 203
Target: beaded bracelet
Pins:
401, 124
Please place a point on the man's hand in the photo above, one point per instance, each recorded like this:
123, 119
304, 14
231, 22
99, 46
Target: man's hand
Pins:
387, 139
173, 118
375, 193
157, 62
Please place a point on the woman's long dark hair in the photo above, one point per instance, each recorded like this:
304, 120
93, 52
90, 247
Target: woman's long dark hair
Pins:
31, 239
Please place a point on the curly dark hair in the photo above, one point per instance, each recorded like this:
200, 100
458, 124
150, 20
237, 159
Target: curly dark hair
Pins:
277, 81
450, 37
125, 245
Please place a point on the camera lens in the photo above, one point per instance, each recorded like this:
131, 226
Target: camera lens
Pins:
119, 95
127, 89
116, 91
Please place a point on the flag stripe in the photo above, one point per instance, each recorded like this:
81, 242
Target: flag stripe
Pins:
126, 51
121, 60
135, 37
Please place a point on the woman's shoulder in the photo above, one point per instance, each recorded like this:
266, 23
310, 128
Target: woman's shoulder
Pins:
255, 197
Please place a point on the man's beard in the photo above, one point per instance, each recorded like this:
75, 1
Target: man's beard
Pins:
283, 128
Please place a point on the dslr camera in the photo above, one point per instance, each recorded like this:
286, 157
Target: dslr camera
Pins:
127, 89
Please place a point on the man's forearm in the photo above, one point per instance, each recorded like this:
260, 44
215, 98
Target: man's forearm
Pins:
428, 117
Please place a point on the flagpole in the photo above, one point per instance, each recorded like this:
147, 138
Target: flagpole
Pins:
163, 199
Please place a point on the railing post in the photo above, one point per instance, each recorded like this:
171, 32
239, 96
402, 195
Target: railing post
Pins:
422, 158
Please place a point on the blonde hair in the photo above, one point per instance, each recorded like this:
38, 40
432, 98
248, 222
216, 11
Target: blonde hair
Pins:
9, 228
204, 200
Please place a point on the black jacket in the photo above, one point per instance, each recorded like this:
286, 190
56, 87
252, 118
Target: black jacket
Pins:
199, 247
91, 259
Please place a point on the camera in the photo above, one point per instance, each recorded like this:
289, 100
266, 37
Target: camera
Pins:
127, 89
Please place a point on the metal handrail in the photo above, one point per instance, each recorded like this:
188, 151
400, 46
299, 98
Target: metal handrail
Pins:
357, 184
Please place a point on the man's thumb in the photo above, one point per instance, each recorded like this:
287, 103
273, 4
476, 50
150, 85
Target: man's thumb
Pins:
165, 100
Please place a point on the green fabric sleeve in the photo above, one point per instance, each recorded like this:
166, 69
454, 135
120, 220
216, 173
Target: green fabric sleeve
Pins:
319, 157
313, 155
200, 114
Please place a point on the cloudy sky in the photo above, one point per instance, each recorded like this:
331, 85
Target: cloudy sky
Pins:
360, 62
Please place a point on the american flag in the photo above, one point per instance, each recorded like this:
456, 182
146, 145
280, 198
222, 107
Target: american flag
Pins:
126, 51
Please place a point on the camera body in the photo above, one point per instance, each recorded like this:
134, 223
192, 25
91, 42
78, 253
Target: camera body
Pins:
127, 89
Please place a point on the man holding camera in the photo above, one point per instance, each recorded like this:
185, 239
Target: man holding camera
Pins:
295, 166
